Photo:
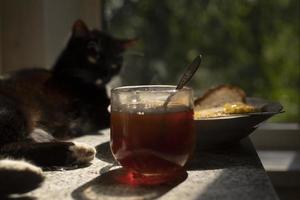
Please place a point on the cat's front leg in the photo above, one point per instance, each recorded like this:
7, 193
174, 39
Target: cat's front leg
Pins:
18, 176
48, 154
82, 153
74, 152
44, 150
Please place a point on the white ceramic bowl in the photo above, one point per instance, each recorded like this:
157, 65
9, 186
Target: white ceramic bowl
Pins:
220, 132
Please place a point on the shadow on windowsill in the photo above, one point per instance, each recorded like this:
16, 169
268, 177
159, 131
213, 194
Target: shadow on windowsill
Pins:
108, 185
104, 153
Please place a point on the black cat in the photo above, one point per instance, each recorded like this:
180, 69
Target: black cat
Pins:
38, 107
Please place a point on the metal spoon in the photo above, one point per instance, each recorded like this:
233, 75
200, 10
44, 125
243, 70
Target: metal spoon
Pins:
186, 77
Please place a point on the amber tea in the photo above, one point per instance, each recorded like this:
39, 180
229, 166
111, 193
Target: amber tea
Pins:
146, 137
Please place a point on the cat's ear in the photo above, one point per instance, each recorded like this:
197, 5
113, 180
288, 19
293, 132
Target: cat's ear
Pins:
79, 29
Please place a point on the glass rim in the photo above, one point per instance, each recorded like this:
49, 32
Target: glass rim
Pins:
161, 88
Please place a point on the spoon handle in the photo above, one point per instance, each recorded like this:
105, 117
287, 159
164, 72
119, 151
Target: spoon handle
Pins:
189, 72
186, 77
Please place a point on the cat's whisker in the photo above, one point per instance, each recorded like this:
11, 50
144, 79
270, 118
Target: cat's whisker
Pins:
135, 53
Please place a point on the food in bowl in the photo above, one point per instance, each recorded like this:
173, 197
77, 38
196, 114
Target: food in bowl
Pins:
222, 101
224, 115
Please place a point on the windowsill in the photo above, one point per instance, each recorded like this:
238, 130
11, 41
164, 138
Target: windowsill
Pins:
280, 126
277, 136
278, 147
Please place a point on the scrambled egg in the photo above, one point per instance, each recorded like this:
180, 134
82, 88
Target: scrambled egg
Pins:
239, 107
225, 110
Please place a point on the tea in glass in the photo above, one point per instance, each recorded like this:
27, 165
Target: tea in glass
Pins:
148, 137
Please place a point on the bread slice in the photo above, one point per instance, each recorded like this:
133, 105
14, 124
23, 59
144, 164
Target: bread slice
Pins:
222, 101
220, 95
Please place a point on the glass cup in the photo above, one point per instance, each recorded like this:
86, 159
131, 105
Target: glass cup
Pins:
149, 139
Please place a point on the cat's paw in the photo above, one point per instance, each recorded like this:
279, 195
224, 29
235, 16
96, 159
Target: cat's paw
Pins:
19, 177
82, 153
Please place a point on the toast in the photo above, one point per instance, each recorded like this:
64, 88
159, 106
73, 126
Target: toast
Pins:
220, 95
221, 101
